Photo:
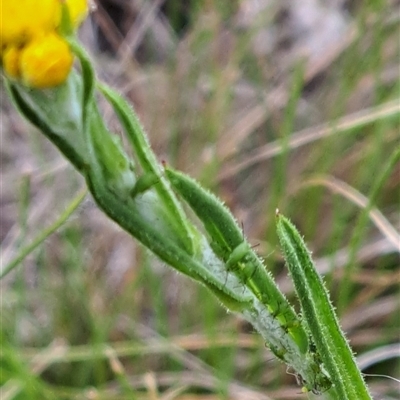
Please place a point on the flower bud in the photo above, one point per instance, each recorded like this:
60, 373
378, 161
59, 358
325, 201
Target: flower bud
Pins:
45, 61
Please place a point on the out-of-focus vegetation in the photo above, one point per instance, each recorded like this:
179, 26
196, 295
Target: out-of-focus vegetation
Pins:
289, 105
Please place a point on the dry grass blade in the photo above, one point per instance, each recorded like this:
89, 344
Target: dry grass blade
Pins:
204, 381
278, 97
310, 135
368, 252
361, 201
378, 355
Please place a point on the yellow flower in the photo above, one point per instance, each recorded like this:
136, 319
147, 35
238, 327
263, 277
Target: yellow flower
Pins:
11, 58
31, 47
21, 20
78, 10
45, 62
24, 19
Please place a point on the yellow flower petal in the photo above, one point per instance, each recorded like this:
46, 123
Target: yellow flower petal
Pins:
21, 20
46, 61
78, 10
11, 61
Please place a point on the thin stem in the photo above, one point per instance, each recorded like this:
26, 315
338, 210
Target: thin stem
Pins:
24, 252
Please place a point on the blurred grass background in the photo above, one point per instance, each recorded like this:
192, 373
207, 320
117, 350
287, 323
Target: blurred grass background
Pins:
289, 105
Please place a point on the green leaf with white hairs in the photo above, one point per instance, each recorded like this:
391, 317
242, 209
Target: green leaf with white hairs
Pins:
150, 166
280, 326
331, 346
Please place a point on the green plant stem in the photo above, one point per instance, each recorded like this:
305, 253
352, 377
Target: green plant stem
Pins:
24, 252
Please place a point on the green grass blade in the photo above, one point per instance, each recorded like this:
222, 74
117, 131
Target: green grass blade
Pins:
24, 252
360, 226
